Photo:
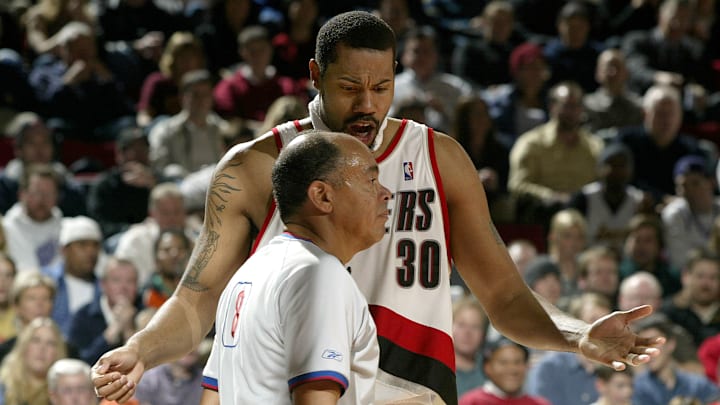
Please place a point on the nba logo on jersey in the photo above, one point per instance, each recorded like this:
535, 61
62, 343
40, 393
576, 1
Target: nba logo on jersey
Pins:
408, 170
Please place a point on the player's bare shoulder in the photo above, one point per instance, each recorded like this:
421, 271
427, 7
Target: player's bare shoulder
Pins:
242, 177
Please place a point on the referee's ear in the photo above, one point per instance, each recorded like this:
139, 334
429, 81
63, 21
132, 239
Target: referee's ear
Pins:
321, 196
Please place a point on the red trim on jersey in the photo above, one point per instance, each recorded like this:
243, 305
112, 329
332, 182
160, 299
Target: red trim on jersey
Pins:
412, 336
394, 142
326, 375
210, 383
441, 191
278, 138
298, 126
264, 227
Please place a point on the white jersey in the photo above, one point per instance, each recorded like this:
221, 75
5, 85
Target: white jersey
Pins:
291, 314
406, 276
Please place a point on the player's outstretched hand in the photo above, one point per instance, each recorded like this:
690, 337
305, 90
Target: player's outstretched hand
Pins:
116, 374
610, 341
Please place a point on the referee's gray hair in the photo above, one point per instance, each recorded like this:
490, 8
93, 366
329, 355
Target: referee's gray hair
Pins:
65, 367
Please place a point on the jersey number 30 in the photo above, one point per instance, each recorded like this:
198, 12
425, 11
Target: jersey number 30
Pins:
429, 263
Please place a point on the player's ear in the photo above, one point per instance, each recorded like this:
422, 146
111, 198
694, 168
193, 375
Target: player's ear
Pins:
314, 73
320, 194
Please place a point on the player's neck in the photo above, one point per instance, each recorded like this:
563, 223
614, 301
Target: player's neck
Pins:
388, 136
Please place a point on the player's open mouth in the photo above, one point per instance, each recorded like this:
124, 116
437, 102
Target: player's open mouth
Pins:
363, 132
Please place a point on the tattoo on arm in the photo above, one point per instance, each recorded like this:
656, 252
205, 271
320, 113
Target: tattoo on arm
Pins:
218, 196
207, 247
498, 238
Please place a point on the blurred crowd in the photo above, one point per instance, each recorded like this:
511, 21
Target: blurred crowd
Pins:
594, 126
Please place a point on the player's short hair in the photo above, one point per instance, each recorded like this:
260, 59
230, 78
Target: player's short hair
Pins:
356, 29
316, 157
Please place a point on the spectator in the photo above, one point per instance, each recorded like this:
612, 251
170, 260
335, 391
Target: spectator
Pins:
219, 33
519, 106
133, 21
78, 90
283, 109
696, 307
119, 197
643, 252
575, 372
7, 309
599, 272
178, 382
566, 240
572, 55
469, 324
542, 275
69, 383
522, 252
34, 143
640, 288
252, 88
397, 14
612, 105
666, 55
74, 276
32, 297
295, 44
475, 131
23, 374
505, 365
159, 96
46, 18
32, 225
662, 379
192, 138
689, 219
422, 79
551, 162
614, 387
172, 251
709, 355
657, 145
492, 50
108, 321
165, 211
609, 203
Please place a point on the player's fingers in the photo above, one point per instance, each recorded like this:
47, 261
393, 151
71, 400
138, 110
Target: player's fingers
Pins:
618, 365
101, 367
128, 395
650, 342
634, 359
638, 312
115, 390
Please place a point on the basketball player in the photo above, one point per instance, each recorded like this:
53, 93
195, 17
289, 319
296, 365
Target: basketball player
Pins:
438, 213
